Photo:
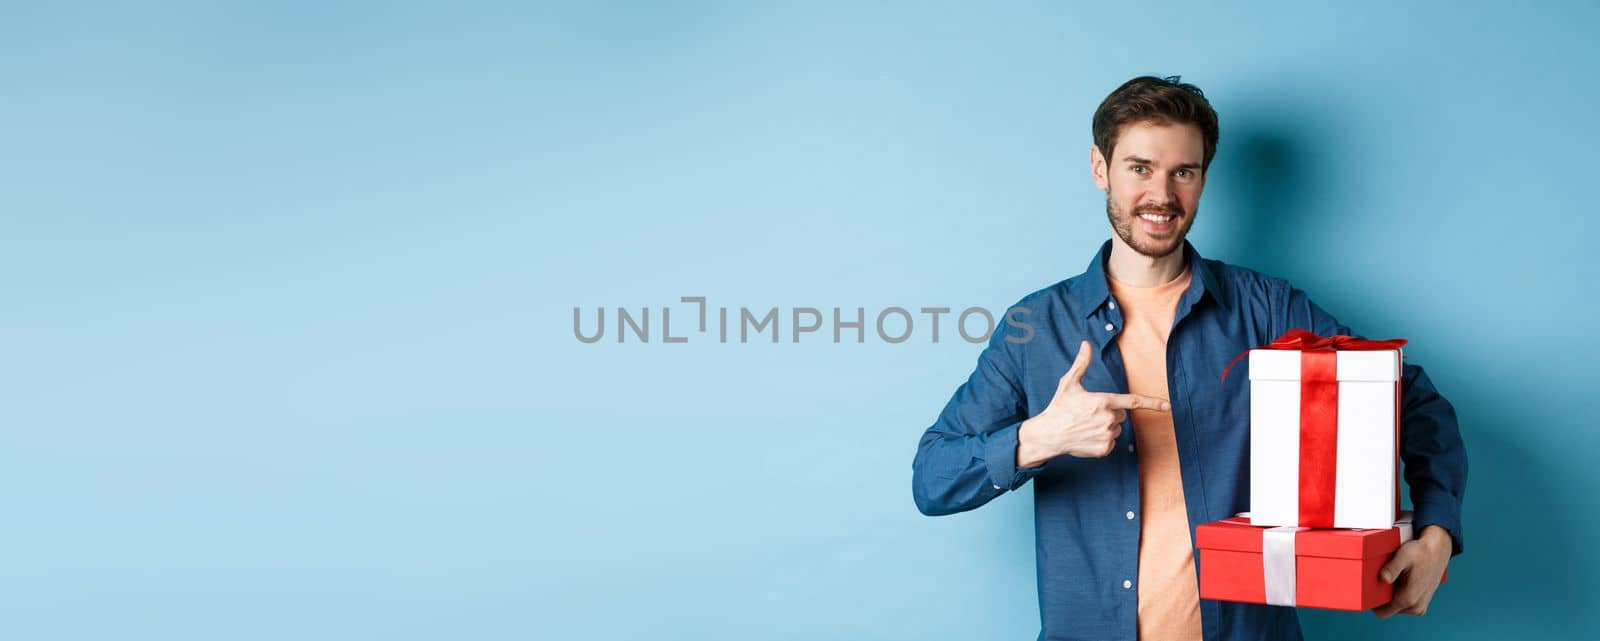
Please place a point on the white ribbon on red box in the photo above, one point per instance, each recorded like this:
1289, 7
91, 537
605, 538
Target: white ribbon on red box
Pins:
1277, 564
1278, 560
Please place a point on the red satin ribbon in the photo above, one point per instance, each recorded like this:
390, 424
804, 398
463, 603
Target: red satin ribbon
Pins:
1319, 414
1302, 339
1319, 436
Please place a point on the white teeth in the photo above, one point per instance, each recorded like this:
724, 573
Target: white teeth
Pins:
1155, 219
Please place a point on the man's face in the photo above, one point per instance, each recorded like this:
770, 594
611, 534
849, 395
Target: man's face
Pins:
1152, 182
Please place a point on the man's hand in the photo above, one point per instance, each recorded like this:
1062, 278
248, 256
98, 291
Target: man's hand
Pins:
1078, 422
1417, 565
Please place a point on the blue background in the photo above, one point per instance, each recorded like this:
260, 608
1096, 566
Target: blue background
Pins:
288, 346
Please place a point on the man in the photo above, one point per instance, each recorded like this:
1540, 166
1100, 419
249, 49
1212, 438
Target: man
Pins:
1114, 408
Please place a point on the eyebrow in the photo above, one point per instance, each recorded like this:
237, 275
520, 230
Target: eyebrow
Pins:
1146, 161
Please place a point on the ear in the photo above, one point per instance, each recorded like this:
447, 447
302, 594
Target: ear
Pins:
1097, 167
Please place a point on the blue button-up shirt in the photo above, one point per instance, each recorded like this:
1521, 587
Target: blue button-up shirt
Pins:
1087, 549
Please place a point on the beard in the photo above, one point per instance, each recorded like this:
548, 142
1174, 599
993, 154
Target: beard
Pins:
1153, 246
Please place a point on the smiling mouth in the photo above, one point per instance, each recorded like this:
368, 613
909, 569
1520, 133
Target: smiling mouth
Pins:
1159, 219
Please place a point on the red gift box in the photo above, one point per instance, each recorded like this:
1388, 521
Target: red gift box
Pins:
1292, 566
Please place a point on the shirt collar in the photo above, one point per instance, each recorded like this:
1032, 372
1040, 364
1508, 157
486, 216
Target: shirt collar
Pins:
1093, 291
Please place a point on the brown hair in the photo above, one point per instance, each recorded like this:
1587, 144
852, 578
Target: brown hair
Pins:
1159, 100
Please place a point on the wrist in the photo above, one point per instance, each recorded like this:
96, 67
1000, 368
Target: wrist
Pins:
1436, 538
1029, 453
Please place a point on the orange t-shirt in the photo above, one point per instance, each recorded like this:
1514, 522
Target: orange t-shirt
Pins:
1169, 598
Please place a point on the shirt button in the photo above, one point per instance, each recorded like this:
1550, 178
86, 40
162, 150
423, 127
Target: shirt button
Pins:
1110, 327
1130, 516
1130, 447
997, 487
1112, 304
1127, 584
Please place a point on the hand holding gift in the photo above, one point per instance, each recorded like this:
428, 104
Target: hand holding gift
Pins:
1416, 571
1324, 528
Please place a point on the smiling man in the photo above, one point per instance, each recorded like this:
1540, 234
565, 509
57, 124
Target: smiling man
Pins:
1113, 409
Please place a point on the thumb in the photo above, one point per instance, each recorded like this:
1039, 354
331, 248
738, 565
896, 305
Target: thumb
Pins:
1080, 365
1400, 563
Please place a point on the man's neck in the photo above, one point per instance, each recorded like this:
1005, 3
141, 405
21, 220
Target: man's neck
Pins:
1132, 268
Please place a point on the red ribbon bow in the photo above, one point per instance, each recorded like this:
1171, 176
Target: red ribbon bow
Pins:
1307, 340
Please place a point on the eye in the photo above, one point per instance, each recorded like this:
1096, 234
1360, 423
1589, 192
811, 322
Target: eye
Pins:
1184, 173
1141, 169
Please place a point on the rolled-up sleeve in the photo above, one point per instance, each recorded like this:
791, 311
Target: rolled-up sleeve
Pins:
969, 455
1434, 456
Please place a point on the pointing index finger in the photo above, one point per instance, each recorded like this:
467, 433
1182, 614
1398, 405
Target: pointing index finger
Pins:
1138, 402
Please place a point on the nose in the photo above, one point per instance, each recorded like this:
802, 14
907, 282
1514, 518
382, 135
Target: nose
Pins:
1164, 196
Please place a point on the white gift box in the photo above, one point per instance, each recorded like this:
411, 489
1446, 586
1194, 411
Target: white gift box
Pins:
1364, 464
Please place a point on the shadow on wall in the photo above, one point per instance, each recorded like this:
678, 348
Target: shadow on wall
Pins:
1279, 193
1265, 170
1522, 573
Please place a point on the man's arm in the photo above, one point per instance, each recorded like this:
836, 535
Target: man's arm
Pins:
969, 455
1435, 458
981, 447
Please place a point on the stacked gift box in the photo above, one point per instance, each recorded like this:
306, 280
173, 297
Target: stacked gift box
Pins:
1324, 479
